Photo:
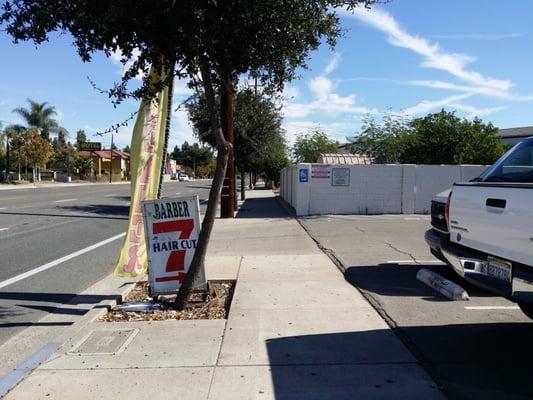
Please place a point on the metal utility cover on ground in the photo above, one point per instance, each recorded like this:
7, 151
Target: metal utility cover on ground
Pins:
172, 227
104, 342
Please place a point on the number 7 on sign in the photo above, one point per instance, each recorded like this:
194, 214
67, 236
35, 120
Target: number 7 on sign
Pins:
176, 259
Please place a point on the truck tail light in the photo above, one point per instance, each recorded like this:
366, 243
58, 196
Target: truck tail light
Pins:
447, 210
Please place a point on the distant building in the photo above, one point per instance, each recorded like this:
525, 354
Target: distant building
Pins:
514, 135
119, 166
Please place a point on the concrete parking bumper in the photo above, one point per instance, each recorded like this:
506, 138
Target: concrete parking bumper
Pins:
296, 330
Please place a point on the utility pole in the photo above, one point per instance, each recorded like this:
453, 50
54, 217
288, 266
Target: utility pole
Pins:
227, 198
111, 160
8, 176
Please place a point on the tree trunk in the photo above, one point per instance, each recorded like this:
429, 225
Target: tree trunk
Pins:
33, 172
227, 202
223, 148
243, 186
250, 184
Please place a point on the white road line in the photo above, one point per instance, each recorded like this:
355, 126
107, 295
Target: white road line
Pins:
51, 264
178, 192
3, 208
62, 201
411, 219
3, 229
492, 308
110, 195
412, 261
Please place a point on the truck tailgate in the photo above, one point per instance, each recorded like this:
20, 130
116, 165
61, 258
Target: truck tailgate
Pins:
494, 218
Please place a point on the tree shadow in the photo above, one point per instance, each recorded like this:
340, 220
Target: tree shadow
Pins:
471, 361
62, 215
101, 209
266, 207
62, 298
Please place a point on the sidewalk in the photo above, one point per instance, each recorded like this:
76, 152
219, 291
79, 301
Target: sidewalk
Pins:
296, 330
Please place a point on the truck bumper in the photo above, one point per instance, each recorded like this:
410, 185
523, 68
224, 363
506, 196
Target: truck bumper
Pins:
470, 263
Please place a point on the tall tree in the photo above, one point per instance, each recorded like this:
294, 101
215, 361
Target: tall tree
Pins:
81, 138
40, 116
37, 151
215, 41
257, 130
308, 147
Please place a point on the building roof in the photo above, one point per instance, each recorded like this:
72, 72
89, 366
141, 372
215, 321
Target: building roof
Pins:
520, 132
344, 159
105, 154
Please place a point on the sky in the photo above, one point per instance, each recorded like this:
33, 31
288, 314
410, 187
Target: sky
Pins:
407, 57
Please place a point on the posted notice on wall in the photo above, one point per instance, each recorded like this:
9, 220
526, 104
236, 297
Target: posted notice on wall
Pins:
340, 177
320, 171
172, 227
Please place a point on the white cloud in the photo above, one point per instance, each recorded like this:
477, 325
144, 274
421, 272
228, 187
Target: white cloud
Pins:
290, 92
452, 102
335, 130
482, 36
433, 55
426, 105
330, 104
469, 89
475, 112
320, 86
116, 57
333, 64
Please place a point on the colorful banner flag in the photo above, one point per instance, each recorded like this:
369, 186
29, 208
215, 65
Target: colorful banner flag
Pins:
147, 148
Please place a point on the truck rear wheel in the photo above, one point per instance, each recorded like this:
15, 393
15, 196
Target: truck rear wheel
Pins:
527, 308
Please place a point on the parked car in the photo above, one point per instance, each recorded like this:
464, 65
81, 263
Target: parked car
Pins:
484, 228
183, 177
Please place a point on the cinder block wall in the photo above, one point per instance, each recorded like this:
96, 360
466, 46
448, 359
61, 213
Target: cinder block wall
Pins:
372, 189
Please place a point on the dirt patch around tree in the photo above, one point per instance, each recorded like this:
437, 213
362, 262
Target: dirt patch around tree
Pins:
214, 303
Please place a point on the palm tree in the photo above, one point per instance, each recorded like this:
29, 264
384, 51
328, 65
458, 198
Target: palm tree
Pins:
40, 116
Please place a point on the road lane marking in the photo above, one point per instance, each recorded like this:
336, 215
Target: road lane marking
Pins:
492, 308
3, 229
3, 208
413, 261
110, 195
9, 381
62, 201
61, 260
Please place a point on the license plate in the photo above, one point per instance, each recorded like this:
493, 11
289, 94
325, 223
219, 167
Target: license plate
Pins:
498, 269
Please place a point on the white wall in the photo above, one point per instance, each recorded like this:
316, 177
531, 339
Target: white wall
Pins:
372, 189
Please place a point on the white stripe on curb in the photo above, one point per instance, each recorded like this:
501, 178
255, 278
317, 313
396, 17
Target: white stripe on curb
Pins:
442, 285
51, 264
493, 308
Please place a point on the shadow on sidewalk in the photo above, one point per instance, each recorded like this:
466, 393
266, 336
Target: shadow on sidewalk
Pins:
265, 207
361, 364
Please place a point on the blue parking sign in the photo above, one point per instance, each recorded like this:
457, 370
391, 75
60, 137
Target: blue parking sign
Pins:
304, 175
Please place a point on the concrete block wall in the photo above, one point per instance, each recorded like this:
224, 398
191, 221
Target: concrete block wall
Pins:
372, 189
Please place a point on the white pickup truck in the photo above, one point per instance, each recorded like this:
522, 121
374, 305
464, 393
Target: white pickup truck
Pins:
485, 229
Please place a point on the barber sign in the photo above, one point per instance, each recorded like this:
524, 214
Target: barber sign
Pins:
172, 227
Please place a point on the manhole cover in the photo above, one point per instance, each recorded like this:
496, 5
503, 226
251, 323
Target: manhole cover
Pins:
104, 342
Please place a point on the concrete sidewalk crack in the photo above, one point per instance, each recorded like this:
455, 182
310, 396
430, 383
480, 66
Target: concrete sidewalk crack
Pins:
403, 252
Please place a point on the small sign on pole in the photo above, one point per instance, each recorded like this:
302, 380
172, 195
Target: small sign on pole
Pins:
172, 227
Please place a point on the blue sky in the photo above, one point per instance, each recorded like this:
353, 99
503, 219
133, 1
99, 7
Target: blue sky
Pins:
410, 56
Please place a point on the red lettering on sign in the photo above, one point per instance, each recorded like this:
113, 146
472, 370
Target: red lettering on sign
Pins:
176, 260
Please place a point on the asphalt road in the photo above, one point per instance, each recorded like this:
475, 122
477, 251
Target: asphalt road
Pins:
41, 225
476, 349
